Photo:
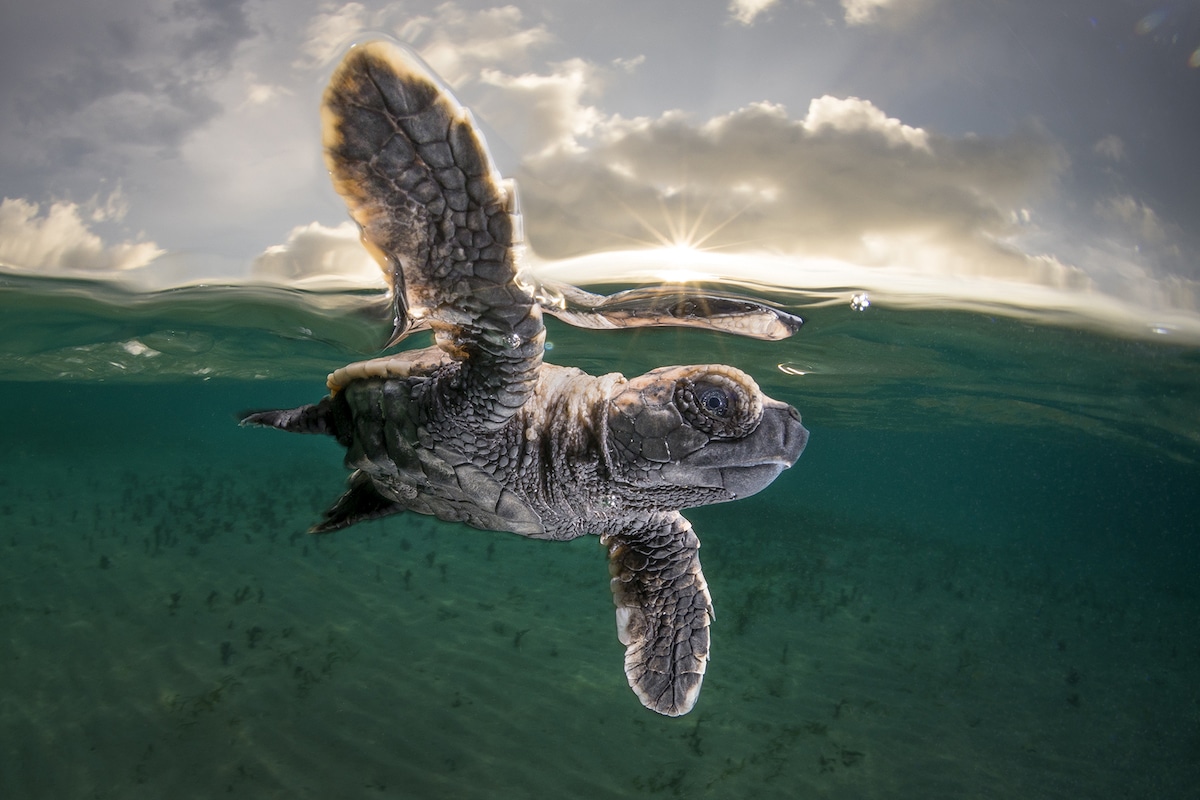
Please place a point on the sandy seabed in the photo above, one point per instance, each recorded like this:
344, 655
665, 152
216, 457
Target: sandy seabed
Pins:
171, 631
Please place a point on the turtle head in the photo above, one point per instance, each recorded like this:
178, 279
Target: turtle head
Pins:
697, 435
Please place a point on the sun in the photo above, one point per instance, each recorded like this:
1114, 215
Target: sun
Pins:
679, 264
681, 240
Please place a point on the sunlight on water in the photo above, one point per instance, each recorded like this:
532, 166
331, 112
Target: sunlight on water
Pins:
853, 345
1040, 300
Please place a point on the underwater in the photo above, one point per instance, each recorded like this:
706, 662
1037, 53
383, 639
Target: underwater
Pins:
978, 580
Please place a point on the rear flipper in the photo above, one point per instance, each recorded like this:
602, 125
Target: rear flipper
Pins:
361, 502
331, 417
663, 612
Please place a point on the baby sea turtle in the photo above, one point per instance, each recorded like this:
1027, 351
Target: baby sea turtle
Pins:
479, 429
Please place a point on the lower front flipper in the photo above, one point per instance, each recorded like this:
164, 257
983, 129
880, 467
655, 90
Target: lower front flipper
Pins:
663, 612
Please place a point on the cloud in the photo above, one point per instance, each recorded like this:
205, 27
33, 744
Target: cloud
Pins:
539, 114
261, 152
851, 115
844, 182
129, 92
1111, 147
205, 110
1136, 217
318, 253
59, 242
330, 31
861, 12
115, 80
111, 208
866, 12
747, 11
460, 44
1149, 245
487, 57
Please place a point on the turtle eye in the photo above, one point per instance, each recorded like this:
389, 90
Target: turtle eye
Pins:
717, 405
714, 400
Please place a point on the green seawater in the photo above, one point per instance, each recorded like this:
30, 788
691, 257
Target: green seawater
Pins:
978, 581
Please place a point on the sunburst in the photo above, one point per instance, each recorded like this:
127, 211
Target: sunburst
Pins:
680, 238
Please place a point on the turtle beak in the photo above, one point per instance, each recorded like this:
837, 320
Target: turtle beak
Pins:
781, 439
745, 466
795, 434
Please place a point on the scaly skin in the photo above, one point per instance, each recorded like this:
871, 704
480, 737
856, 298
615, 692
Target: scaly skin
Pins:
418, 179
479, 429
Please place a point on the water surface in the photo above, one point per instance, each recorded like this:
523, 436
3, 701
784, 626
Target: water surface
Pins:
978, 581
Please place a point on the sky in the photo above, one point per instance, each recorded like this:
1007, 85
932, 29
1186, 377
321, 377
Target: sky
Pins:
1041, 154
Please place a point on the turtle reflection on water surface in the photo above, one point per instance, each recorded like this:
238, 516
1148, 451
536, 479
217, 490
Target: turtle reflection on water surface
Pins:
479, 429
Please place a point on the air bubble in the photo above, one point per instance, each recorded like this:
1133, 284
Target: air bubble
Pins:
860, 301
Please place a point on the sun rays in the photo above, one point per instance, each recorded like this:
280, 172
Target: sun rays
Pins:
681, 237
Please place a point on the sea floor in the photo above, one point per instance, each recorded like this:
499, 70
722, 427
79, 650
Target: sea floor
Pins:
172, 631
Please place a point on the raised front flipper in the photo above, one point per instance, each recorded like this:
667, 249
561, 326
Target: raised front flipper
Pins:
669, 306
663, 612
434, 213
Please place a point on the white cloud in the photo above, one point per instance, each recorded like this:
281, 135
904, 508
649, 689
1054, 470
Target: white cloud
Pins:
852, 115
460, 44
330, 31
629, 65
747, 11
316, 252
543, 113
261, 94
844, 182
487, 57
111, 208
861, 12
225, 166
60, 242
866, 12
847, 196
